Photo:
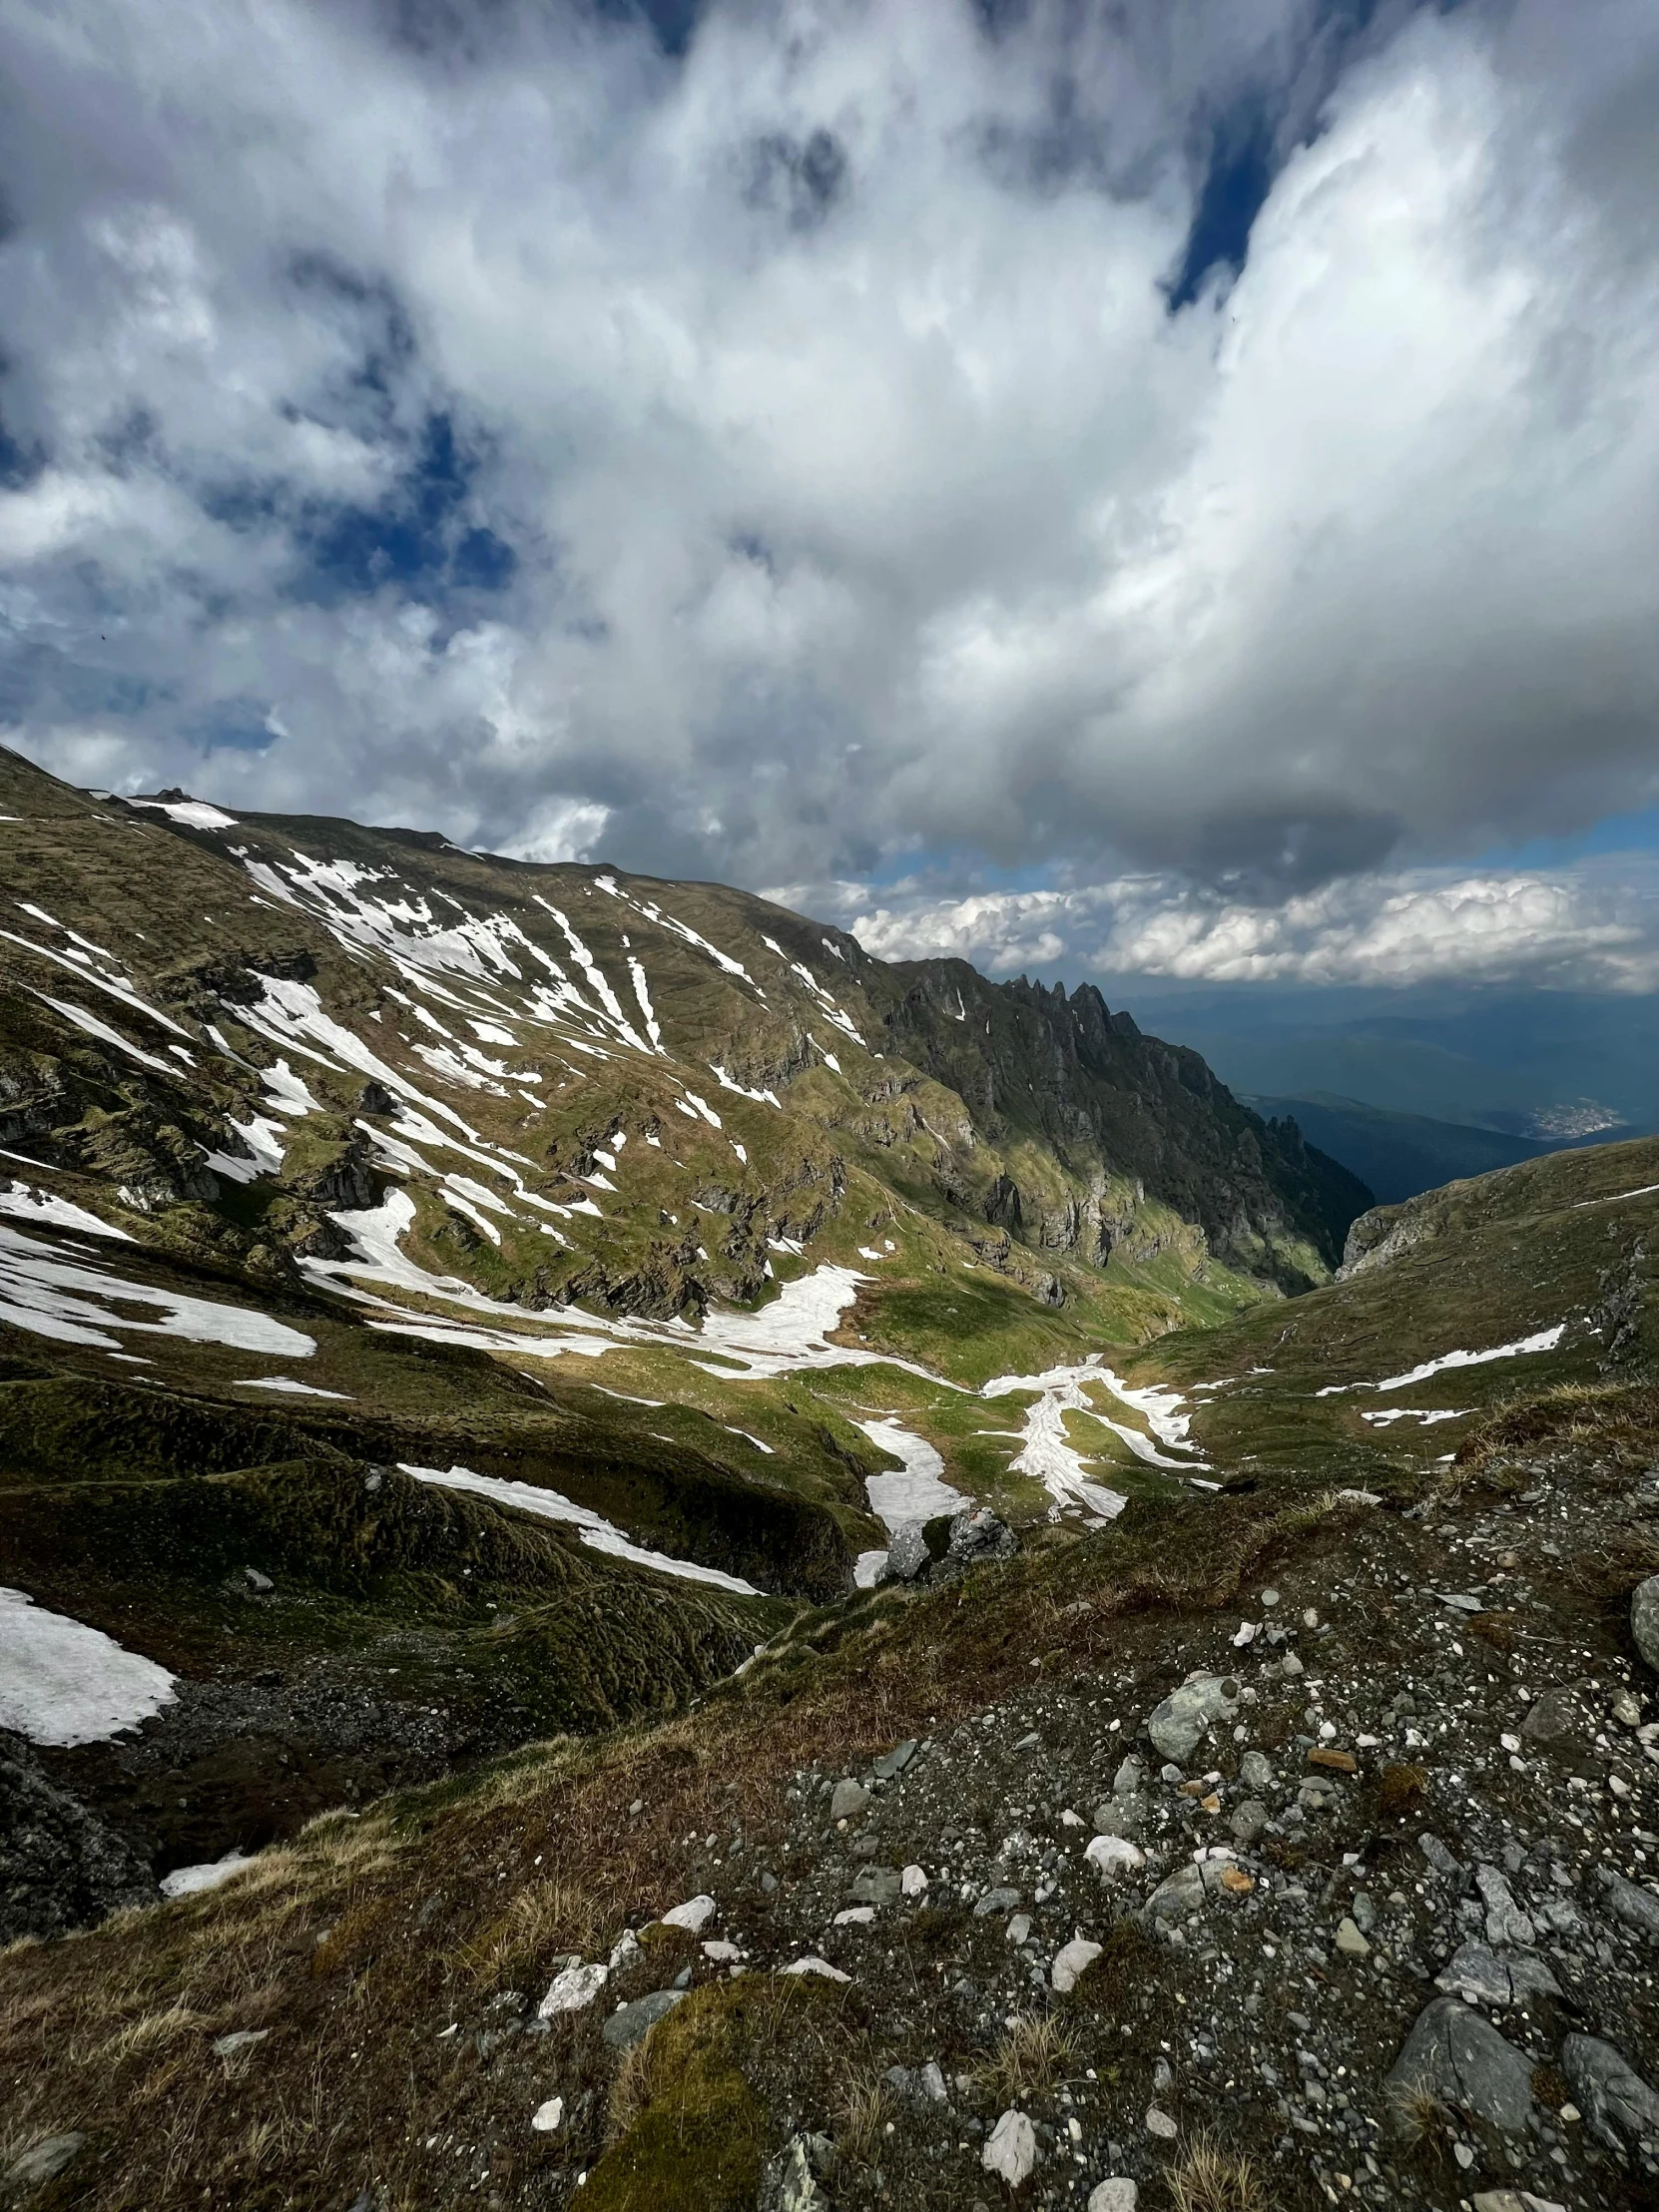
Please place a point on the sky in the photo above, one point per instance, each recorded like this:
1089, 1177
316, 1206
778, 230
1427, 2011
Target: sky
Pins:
1168, 489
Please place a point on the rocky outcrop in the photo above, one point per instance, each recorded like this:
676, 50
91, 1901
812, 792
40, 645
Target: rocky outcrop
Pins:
61, 1868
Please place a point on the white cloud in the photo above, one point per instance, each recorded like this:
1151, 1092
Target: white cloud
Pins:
1596, 928
867, 500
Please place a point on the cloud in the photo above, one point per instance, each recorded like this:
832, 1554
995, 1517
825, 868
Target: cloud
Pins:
845, 441
1595, 929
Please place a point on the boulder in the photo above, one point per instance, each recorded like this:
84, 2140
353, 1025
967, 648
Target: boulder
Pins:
1114, 1857
1629, 1901
1481, 1975
976, 1536
1187, 1715
1612, 2096
1116, 2194
907, 1553
630, 2024
1454, 2055
1644, 1619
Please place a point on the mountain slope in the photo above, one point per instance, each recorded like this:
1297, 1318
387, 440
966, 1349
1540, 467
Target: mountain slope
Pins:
655, 1227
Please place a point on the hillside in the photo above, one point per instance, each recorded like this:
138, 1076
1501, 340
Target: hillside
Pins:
1284, 1838
444, 1299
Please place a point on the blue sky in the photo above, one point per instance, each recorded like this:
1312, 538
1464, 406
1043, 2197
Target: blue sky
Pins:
1169, 488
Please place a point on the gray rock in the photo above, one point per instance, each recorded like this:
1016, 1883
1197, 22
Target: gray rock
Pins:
1126, 1783
975, 1536
1011, 2151
875, 1886
1121, 1816
907, 1552
1629, 1901
1178, 1894
1481, 1976
1116, 2194
995, 1900
1505, 1922
260, 1583
848, 1799
631, 2023
930, 2081
239, 2039
1552, 1719
1456, 2055
1644, 1619
60, 1866
1256, 1771
1612, 2096
788, 2184
42, 2162
1187, 1715
1439, 1857
892, 1763
1248, 1822
1351, 1938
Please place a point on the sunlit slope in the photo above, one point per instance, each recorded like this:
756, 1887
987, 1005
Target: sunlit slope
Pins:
1505, 1284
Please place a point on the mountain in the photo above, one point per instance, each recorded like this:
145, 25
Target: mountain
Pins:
445, 1300
1399, 1155
1280, 1834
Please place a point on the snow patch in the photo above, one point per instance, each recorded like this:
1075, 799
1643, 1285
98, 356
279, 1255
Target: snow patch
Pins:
64, 1683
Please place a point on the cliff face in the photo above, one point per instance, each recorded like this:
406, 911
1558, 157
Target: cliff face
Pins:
1109, 1107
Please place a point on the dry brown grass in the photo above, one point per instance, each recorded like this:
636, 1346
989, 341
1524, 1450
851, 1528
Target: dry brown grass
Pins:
1400, 1791
862, 2124
1031, 2057
1210, 2179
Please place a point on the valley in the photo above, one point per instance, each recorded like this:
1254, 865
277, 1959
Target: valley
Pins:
646, 1561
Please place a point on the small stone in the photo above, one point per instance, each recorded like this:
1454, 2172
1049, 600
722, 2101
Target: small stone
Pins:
1629, 1901
42, 2162
1291, 1664
1114, 1857
769, 1883
1072, 1962
1505, 1922
722, 1953
932, 2082
575, 1987
995, 1900
630, 2023
848, 1799
816, 1965
1513, 2200
877, 1886
1018, 1929
1626, 1710
1256, 1771
1159, 2123
1337, 1762
1011, 2151
239, 2038
1116, 2194
547, 2118
1552, 1719
892, 1763
1129, 1777
854, 1916
912, 1882
694, 1916
258, 1582
1248, 1822
1349, 1941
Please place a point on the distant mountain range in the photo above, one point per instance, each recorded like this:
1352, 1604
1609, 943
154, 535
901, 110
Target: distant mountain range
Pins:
1400, 1155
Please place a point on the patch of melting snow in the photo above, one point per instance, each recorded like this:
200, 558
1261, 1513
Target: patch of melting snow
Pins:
1545, 1340
1410, 1412
195, 813
189, 1882
64, 1683
1615, 1198
71, 1302
595, 1530
88, 974
919, 1491
24, 1203
104, 1033
286, 1382
266, 1146
1046, 1455
747, 1437
285, 1092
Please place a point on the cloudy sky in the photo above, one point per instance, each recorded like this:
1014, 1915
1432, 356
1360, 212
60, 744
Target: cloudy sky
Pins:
1169, 488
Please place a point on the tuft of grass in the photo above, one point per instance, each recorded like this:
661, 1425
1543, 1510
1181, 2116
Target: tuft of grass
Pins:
862, 2124
1400, 1791
1031, 2057
1210, 2179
